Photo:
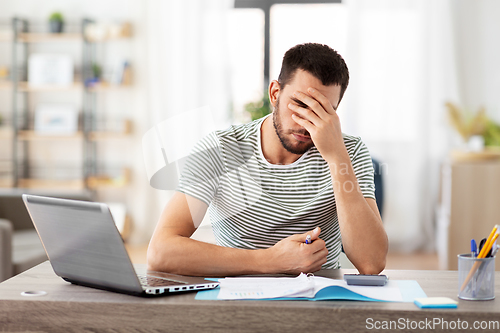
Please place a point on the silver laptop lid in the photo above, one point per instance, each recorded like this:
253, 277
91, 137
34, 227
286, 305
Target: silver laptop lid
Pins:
82, 242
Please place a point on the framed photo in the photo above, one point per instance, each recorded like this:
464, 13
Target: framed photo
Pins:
50, 69
56, 119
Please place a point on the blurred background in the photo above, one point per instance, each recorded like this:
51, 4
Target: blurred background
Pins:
81, 83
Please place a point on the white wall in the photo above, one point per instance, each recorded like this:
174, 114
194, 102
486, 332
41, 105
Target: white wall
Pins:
477, 27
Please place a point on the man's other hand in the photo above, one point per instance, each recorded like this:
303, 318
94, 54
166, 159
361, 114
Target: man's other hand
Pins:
292, 255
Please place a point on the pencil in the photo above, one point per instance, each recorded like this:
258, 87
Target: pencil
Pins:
484, 251
486, 248
482, 255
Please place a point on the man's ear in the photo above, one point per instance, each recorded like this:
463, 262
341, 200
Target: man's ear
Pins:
274, 91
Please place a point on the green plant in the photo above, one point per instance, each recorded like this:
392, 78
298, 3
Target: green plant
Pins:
96, 71
466, 123
56, 17
492, 134
259, 108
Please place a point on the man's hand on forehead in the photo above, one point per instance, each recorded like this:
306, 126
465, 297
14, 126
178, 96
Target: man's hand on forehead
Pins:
317, 115
299, 102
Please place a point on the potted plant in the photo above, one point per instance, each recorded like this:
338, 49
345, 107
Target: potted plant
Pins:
56, 22
259, 108
96, 76
481, 135
96, 71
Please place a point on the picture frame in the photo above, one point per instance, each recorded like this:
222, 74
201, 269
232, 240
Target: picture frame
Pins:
50, 69
56, 119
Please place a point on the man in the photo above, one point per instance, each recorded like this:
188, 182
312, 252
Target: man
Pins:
284, 192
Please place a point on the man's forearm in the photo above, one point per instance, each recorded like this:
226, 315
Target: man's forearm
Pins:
185, 256
172, 250
363, 236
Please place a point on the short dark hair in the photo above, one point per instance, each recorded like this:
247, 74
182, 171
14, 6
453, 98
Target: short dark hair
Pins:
320, 60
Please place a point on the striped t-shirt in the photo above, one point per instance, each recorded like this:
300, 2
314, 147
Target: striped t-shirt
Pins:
253, 204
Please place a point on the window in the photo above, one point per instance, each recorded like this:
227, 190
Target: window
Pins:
289, 24
246, 48
303, 23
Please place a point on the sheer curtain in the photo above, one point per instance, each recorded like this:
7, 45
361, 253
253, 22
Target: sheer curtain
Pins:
187, 69
401, 55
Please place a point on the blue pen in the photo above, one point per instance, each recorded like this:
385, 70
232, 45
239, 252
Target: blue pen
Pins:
473, 248
308, 239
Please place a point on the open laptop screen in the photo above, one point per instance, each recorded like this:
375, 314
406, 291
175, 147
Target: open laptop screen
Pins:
82, 242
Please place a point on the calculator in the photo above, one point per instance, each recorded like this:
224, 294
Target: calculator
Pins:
365, 280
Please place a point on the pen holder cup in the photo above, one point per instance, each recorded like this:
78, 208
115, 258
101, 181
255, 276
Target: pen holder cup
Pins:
476, 278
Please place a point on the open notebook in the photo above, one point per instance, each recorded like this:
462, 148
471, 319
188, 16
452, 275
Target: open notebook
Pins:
314, 288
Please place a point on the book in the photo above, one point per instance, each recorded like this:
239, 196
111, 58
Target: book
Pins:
311, 288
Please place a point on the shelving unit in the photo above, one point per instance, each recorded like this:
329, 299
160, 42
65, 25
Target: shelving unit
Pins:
6, 133
23, 134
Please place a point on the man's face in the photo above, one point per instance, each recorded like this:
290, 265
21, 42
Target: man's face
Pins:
294, 138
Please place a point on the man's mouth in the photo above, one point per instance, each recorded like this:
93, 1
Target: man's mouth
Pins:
301, 138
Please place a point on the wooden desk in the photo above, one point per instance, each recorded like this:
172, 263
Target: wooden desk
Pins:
70, 308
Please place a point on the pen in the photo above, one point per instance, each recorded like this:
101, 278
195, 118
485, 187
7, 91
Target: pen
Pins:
492, 243
308, 239
495, 249
481, 244
473, 248
486, 248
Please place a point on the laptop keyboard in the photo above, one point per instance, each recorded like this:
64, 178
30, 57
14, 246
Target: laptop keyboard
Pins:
150, 281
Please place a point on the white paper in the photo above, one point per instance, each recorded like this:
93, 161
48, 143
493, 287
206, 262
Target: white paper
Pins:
301, 286
259, 288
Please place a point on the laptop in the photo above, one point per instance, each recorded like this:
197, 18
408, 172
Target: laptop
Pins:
85, 248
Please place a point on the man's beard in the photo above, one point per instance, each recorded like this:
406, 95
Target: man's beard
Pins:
286, 141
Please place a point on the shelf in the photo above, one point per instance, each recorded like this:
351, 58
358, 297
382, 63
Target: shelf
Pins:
49, 37
6, 182
103, 181
58, 37
109, 87
95, 136
26, 87
34, 136
5, 85
104, 135
72, 184
5, 133
488, 154
6, 36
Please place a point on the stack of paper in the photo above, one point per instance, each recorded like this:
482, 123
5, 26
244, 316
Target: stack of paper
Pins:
259, 288
301, 286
